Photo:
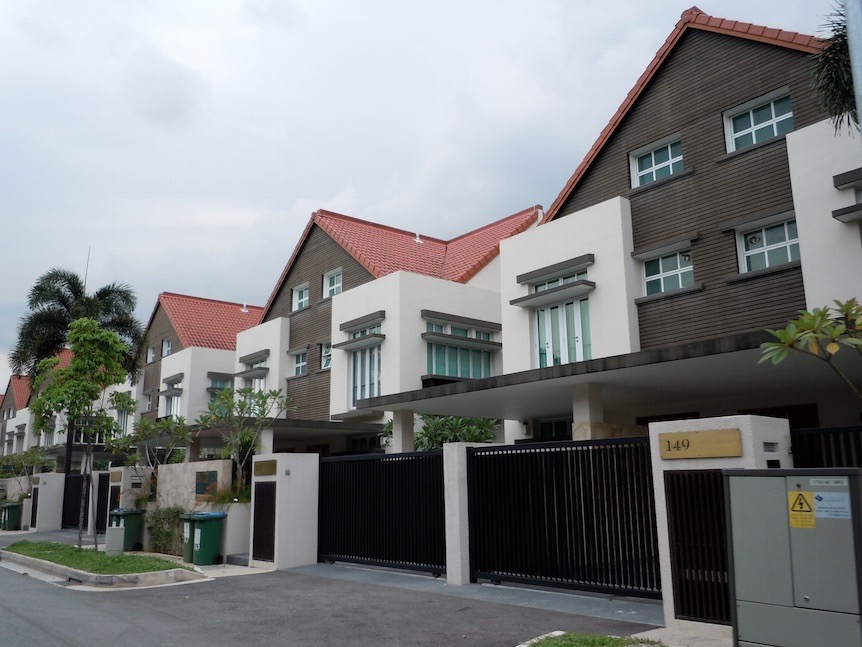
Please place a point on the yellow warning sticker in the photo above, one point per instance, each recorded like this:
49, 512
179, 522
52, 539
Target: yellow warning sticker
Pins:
801, 510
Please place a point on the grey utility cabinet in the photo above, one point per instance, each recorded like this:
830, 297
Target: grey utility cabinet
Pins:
794, 539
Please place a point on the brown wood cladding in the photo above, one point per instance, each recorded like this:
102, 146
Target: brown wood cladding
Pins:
312, 326
160, 328
707, 75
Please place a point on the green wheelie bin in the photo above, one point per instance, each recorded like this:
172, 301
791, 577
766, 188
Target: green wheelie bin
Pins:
207, 538
10, 516
188, 520
132, 521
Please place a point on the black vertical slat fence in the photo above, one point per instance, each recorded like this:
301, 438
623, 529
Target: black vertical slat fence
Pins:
577, 515
384, 510
698, 545
827, 447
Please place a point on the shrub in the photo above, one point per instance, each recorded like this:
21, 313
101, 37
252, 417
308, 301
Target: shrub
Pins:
166, 529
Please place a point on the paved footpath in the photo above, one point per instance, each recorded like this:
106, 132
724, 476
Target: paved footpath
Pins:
315, 605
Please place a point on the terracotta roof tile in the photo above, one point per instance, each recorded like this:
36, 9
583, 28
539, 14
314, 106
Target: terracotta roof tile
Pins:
692, 18
383, 250
206, 323
20, 385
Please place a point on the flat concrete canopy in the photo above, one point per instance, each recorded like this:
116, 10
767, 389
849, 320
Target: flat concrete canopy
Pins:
723, 370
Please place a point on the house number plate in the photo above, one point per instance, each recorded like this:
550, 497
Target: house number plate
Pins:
712, 443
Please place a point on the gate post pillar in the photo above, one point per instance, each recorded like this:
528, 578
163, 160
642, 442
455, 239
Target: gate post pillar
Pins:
730, 442
457, 520
294, 518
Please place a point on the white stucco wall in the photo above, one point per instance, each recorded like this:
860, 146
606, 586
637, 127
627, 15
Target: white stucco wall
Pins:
273, 335
816, 154
194, 363
402, 296
603, 230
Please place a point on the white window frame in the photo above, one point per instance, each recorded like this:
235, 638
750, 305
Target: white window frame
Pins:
674, 164
365, 373
300, 363
680, 257
759, 228
543, 332
173, 405
730, 136
326, 355
301, 296
166, 346
335, 288
148, 402
151, 354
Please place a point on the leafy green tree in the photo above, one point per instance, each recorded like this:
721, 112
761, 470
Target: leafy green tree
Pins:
77, 393
58, 298
438, 430
833, 76
22, 466
821, 333
240, 416
154, 443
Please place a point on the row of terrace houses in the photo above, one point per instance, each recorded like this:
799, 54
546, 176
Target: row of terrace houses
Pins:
717, 202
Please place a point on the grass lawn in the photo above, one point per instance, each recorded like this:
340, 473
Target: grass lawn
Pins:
91, 561
591, 640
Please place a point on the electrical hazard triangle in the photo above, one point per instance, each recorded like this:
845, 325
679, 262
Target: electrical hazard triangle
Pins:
801, 504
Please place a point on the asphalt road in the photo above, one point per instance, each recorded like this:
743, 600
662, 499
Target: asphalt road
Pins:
276, 608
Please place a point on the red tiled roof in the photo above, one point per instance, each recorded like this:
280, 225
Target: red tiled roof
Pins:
206, 323
20, 386
383, 250
692, 18
65, 357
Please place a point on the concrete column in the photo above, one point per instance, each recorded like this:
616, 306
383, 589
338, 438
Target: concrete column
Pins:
267, 438
588, 413
297, 479
763, 439
403, 423
514, 430
457, 521
193, 451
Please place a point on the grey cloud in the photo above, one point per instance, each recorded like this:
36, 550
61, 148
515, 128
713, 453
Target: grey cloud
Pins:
162, 91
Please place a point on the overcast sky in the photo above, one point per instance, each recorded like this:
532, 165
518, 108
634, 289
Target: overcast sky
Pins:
183, 145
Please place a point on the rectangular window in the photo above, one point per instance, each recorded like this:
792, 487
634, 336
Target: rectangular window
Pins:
564, 280
667, 273
769, 246
123, 421
172, 406
758, 120
166, 347
219, 384
365, 373
563, 333
151, 354
332, 283
300, 297
657, 163
456, 361
300, 364
326, 355
148, 403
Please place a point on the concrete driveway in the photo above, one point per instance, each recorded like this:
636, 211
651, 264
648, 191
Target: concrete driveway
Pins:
317, 605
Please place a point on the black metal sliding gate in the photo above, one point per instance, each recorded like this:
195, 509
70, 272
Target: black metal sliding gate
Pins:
385, 510
578, 515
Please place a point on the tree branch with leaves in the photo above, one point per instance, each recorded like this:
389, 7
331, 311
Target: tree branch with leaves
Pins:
78, 392
241, 416
821, 333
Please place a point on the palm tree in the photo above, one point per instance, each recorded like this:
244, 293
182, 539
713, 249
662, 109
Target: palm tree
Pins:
833, 78
57, 299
